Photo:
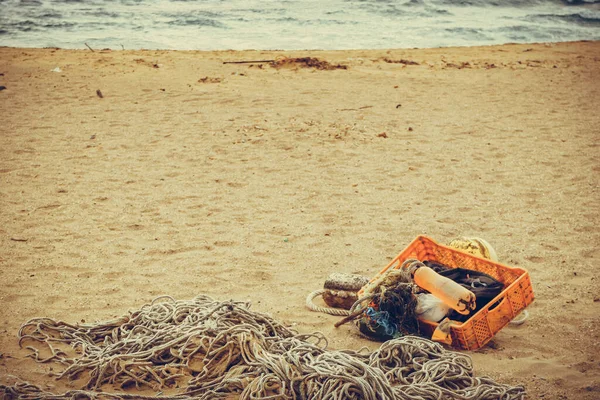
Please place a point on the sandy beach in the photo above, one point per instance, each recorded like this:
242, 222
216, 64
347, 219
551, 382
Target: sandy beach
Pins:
125, 175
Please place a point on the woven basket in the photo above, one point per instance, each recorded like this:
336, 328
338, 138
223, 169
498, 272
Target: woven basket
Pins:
481, 327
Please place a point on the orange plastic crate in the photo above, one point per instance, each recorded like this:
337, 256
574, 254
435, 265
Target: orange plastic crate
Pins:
481, 327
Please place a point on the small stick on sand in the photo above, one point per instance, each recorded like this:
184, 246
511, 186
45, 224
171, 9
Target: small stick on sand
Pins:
349, 318
354, 109
248, 62
88, 46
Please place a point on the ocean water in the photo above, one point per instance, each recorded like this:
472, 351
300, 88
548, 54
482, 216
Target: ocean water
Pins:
293, 24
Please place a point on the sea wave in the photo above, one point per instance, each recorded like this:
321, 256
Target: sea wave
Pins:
196, 21
298, 24
579, 19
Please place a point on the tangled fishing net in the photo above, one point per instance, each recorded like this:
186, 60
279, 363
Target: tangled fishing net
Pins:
218, 350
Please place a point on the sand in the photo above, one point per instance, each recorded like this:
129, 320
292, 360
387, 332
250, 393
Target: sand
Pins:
190, 176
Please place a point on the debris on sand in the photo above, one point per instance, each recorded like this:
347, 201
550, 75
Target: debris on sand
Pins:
207, 79
306, 62
402, 61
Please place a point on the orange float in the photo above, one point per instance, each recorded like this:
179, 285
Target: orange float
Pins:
451, 293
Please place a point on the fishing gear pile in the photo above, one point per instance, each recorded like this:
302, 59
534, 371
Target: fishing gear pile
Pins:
390, 313
392, 304
213, 350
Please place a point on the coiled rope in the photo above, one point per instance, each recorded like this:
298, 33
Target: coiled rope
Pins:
310, 304
218, 349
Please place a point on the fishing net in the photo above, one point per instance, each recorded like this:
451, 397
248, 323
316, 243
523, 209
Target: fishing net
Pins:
222, 350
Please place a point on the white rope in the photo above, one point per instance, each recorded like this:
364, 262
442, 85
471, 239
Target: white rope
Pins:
215, 350
520, 319
327, 310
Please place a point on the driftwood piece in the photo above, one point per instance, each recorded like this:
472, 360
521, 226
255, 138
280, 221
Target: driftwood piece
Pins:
248, 62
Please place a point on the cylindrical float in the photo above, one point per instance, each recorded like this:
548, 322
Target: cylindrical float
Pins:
451, 293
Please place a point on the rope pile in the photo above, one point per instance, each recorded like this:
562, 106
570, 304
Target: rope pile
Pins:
216, 350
